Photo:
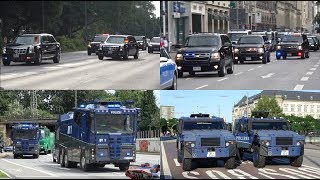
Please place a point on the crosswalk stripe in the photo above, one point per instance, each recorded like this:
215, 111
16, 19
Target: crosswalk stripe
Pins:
176, 162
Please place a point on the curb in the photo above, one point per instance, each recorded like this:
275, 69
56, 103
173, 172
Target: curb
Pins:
9, 177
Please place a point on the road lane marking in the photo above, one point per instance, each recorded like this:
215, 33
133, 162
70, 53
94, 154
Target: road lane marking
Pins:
298, 87
222, 79
273, 172
304, 78
176, 161
268, 75
309, 73
260, 66
242, 174
250, 69
299, 173
316, 65
266, 175
313, 69
201, 87
30, 168
189, 78
7, 76
185, 174
238, 73
310, 170
166, 169
221, 174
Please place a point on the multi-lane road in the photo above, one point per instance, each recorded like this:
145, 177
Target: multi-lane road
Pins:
289, 74
44, 167
275, 169
78, 71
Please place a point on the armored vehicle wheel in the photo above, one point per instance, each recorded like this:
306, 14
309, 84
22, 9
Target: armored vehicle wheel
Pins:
62, 162
67, 163
136, 56
230, 70
222, 70
230, 163
296, 161
187, 164
56, 58
83, 165
126, 55
179, 156
15, 156
38, 59
6, 63
180, 74
259, 161
192, 73
124, 166
53, 159
35, 156
100, 57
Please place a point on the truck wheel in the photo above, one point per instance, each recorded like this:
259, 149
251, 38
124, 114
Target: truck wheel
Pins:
124, 166
36, 156
38, 59
179, 156
62, 162
230, 163
296, 161
222, 70
6, 63
83, 165
100, 57
67, 163
259, 161
187, 164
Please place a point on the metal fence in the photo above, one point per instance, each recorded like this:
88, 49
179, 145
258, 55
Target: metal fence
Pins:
148, 134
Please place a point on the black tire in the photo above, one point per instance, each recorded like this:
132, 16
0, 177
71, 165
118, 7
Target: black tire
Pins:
67, 163
179, 156
222, 71
124, 166
264, 60
6, 63
284, 57
89, 52
36, 156
296, 161
180, 74
187, 164
126, 55
62, 162
83, 165
259, 161
192, 73
231, 68
230, 163
136, 56
307, 55
15, 156
38, 59
100, 57
56, 58
174, 83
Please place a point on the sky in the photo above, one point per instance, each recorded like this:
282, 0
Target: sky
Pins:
157, 5
187, 102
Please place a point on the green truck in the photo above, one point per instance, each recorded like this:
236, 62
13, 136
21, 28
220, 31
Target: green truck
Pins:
46, 140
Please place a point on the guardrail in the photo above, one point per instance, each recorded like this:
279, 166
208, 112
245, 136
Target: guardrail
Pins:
148, 134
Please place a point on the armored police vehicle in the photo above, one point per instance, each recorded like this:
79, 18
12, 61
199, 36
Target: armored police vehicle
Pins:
25, 137
201, 137
46, 140
96, 134
268, 138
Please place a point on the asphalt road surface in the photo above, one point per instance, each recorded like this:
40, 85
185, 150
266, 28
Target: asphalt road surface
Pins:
289, 74
45, 168
275, 169
78, 71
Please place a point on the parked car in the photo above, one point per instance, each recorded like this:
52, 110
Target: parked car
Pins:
32, 48
168, 71
313, 44
142, 42
94, 45
154, 44
119, 46
295, 44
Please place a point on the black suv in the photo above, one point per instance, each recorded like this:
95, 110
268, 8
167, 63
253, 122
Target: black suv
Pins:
94, 45
296, 44
205, 52
251, 48
142, 42
32, 48
154, 44
314, 43
117, 46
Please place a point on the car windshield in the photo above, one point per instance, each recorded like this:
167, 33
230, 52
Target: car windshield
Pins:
155, 39
280, 36
26, 40
270, 125
114, 123
236, 36
311, 41
290, 38
25, 134
99, 38
204, 41
250, 40
116, 39
139, 38
203, 125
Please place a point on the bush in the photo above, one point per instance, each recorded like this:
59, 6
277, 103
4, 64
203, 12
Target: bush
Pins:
75, 43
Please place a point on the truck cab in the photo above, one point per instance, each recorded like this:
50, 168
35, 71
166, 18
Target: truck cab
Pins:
46, 140
267, 138
25, 137
201, 137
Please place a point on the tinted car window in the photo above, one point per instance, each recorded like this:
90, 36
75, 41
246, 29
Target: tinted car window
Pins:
139, 38
203, 125
289, 38
250, 40
311, 41
99, 38
51, 40
236, 36
155, 39
28, 40
202, 41
115, 39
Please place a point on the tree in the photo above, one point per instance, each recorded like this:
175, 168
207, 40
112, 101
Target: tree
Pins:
149, 112
267, 104
171, 124
163, 125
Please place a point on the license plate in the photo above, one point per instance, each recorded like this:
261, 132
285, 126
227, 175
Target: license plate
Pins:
211, 154
15, 55
284, 152
196, 68
109, 52
248, 58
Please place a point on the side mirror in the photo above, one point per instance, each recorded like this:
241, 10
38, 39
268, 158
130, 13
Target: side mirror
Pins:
163, 59
233, 42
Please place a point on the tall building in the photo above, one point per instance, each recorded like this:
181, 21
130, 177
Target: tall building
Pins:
296, 103
167, 112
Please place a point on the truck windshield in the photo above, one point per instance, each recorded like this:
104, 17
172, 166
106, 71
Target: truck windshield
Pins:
25, 134
236, 36
41, 134
204, 41
114, 123
250, 40
116, 40
26, 40
270, 126
202, 125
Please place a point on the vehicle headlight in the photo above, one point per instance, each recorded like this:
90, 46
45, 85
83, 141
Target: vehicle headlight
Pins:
278, 47
215, 56
236, 50
179, 57
265, 142
121, 48
301, 142
300, 47
260, 50
228, 143
4, 50
190, 143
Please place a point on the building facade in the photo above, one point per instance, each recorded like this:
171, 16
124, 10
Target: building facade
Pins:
167, 112
296, 103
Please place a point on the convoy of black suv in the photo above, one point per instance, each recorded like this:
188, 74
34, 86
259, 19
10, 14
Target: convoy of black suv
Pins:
293, 44
205, 52
32, 48
94, 45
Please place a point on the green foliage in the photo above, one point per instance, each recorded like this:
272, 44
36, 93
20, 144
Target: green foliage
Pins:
304, 125
267, 104
172, 124
163, 125
317, 18
74, 43
150, 113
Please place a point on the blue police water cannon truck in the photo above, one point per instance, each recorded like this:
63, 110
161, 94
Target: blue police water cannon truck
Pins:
95, 134
267, 138
201, 137
25, 137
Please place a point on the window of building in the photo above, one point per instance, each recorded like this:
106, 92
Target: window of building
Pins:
292, 107
200, 8
224, 4
312, 108
299, 107
218, 3
318, 108
194, 7
305, 108
298, 97
285, 107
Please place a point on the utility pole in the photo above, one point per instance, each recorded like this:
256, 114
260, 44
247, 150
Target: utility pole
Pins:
33, 103
164, 17
75, 98
42, 17
85, 20
237, 8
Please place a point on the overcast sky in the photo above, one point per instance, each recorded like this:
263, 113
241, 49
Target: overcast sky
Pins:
157, 5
